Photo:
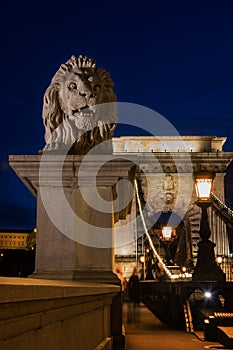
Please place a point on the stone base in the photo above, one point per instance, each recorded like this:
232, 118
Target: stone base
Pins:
96, 276
217, 276
207, 268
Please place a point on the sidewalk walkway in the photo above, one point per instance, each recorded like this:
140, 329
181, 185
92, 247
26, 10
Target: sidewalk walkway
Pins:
148, 333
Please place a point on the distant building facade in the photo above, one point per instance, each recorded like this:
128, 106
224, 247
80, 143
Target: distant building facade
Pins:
13, 240
17, 254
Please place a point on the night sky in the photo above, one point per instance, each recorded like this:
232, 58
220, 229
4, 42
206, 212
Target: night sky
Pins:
174, 56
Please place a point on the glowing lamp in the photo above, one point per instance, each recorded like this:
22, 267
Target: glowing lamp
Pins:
167, 232
208, 295
219, 259
142, 259
203, 185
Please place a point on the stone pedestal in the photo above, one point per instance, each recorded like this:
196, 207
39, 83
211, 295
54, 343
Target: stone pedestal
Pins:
207, 268
74, 234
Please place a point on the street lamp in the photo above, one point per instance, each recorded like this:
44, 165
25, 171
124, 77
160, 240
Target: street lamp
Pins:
206, 268
142, 261
167, 232
166, 240
219, 260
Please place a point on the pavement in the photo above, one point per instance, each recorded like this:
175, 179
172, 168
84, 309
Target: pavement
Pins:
144, 331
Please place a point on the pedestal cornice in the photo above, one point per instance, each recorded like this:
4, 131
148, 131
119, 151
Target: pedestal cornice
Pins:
35, 171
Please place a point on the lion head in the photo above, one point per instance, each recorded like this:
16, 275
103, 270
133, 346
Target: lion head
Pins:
79, 110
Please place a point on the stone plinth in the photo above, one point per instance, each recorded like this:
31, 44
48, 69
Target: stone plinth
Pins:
74, 232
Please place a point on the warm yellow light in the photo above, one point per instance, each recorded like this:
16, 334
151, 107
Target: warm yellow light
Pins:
167, 232
142, 259
219, 259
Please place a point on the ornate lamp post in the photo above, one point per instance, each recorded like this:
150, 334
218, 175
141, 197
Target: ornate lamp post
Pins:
206, 268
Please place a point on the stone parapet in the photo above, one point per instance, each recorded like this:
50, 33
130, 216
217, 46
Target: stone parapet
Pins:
55, 315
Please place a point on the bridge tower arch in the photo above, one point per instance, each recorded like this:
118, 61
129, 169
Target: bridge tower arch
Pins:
206, 153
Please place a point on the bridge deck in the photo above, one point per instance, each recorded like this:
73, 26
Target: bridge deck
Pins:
147, 332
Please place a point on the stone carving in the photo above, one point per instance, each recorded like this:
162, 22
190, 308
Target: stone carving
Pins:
168, 182
169, 198
72, 118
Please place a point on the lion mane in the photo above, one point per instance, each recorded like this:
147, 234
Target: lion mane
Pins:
79, 109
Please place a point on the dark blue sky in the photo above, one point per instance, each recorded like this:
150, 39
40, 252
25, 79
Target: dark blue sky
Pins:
175, 57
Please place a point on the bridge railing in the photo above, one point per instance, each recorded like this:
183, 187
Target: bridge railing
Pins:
225, 214
227, 267
223, 206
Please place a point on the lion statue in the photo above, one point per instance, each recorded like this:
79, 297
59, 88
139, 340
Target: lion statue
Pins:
79, 109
